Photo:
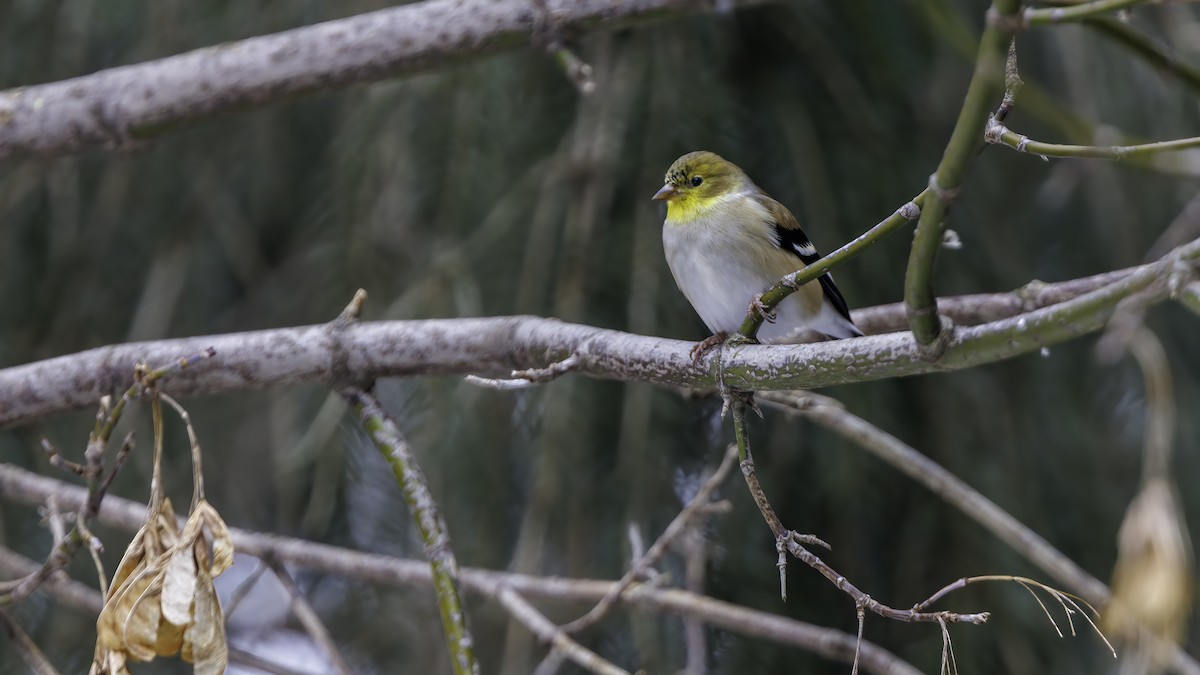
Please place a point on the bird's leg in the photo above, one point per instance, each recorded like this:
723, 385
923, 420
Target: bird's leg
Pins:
757, 306
706, 344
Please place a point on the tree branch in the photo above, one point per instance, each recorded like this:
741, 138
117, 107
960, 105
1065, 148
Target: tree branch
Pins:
1079, 12
121, 106
26, 487
361, 352
985, 87
428, 519
792, 282
1159, 56
998, 134
554, 636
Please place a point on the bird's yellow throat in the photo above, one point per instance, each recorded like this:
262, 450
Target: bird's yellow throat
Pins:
688, 207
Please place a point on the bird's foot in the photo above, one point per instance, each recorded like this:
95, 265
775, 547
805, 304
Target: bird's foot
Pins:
757, 306
701, 347
716, 339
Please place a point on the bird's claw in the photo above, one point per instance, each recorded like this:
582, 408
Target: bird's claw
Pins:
701, 347
757, 306
719, 338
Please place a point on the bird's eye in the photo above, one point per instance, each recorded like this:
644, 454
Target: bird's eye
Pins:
696, 181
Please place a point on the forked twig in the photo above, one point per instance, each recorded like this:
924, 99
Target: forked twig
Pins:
1070, 603
794, 542
639, 567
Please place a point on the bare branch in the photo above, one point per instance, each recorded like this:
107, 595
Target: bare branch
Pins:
121, 107
65, 590
549, 633
308, 618
998, 134
793, 543
34, 658
678, 525
362, 352
30, 488
830, 414
1077, 12
428, 519
986, 86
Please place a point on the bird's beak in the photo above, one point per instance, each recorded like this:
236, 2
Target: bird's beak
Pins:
666, 192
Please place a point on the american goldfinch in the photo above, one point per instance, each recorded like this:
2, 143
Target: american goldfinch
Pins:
727, 241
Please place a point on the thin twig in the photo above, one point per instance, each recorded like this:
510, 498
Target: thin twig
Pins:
1161, 57
94, 547
998, 134
1070, 603
550, 665
34, 658
861, 615
794, 542
27, 487
678, 525
62, 588
252, 660
1079, 12
522, 379
832, 415
308, 618
792, 282
551, 634
242, 590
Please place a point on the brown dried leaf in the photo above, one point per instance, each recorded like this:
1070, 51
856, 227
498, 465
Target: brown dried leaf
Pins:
149, 542
139, 612
163, 601
218, 537
179, 584
204, 641
1152, 581
110, 663
169, 639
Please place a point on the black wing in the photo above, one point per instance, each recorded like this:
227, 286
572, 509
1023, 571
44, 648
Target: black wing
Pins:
793, 240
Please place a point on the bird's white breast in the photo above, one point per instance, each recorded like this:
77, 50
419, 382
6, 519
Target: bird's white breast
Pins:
715, 265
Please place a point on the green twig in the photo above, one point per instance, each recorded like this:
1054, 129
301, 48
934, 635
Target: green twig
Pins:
792, 282
1080, 12
985, 87
997, 133
386, 437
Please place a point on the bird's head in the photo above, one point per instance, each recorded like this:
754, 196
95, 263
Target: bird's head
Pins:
696, 181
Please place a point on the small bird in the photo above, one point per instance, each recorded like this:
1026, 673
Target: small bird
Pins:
727, 241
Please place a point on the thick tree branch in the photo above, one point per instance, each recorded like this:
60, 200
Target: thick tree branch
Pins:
120, 106
362, 352
26, 487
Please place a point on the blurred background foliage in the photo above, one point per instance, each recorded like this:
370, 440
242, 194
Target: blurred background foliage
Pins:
492, 187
